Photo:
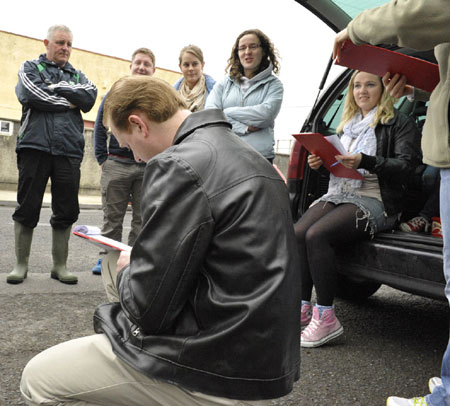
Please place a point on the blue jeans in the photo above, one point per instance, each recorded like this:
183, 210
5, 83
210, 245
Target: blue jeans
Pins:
441, 394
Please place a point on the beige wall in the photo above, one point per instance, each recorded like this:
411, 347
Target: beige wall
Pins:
102, 70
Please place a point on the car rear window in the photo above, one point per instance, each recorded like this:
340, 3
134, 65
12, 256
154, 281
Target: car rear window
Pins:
354, 7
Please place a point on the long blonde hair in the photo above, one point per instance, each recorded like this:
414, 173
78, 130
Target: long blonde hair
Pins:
385, 110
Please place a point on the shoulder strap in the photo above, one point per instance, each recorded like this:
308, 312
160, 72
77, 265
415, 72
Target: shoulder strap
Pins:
41, 67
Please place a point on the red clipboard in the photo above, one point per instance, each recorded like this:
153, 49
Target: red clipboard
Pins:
318, 145
103, 242
92, 235
368, 58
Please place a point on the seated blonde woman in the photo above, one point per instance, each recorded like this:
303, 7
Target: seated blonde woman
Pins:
383, 146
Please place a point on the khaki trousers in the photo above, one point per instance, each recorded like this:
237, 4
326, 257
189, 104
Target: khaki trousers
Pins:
86, 372
121, 183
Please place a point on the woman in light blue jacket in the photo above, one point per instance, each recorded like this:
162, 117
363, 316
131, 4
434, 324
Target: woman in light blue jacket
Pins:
251, 95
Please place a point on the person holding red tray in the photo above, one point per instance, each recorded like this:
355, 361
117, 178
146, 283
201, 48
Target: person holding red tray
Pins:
382, 145
422, 25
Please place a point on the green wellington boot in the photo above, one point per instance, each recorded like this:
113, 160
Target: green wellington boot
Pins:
22, 239
60, 251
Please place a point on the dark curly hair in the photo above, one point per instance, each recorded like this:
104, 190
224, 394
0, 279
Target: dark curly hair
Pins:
270, 54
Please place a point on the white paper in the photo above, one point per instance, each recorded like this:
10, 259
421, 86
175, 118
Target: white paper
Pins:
335, 140
93, 235
88, 230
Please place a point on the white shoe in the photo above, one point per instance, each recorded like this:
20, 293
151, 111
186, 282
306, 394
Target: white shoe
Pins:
433, 382
394, 401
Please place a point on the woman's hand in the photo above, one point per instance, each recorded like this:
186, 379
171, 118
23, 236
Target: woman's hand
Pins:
396, 85
350, 161
314, 161
123, 261
252, 129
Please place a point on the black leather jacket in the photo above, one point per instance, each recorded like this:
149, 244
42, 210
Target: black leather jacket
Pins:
211, 299
398, 154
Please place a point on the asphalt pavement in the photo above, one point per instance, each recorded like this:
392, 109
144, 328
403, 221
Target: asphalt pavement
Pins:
392, 343
88, 199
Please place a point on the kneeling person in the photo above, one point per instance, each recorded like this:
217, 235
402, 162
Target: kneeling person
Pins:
205, 310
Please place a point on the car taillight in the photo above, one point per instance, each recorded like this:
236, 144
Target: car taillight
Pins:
280, 173
297, 161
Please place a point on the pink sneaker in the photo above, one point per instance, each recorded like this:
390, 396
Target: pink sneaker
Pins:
306, 315
321, 330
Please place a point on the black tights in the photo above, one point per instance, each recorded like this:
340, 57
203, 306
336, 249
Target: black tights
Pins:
323, 228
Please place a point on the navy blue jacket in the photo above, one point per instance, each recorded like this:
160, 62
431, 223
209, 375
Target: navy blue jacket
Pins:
101, 149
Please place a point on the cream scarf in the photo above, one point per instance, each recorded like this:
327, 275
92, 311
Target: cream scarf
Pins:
360, 131
195, 97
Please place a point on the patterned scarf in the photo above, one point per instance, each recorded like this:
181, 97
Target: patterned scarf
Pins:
195, 97
361, 137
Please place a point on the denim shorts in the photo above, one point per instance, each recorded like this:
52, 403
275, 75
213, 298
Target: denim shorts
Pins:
369, 208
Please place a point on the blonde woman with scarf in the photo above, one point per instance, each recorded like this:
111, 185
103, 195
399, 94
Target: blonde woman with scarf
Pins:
383, 146
194, 86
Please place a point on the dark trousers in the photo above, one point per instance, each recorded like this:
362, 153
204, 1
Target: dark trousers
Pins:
321, 230
35, 169
431, 185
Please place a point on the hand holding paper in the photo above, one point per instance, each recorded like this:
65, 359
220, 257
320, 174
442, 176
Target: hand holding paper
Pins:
88, 230
327, 149
314, 161
350, 161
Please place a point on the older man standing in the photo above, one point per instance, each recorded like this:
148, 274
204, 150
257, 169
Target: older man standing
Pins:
50, 146
121, 175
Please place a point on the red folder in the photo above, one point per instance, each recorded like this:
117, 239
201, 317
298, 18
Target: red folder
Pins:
92, 235
103, 242
317, 144
378, 61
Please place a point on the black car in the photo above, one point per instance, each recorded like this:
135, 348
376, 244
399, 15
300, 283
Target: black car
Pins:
411, 262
